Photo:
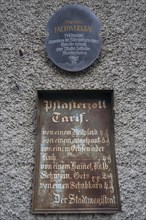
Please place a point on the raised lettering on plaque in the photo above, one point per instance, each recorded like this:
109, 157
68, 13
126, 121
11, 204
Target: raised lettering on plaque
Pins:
75, 169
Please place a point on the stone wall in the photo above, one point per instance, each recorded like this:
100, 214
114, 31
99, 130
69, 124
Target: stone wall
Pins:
25, 69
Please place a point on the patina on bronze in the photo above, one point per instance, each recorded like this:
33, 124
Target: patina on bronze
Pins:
75, 168
73, 43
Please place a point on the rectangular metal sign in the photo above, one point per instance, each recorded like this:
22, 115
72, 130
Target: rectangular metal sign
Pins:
75, 168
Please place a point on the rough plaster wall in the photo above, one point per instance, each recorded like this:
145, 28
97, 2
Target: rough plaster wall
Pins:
120, 67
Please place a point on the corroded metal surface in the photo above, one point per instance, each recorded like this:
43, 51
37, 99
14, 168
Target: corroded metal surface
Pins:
75, 162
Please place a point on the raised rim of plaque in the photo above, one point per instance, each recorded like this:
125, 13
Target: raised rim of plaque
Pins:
98, 107
73, 41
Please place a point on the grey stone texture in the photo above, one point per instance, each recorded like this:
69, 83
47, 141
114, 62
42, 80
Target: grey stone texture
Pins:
25, 69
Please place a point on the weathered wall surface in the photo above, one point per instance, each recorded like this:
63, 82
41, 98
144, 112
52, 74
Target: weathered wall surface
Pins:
120, 67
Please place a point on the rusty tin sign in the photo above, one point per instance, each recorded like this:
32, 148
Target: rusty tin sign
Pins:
75, 167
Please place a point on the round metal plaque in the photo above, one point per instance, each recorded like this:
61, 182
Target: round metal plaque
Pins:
73, 43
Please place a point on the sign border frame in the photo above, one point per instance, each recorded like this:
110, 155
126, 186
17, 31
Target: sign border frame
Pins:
34, 210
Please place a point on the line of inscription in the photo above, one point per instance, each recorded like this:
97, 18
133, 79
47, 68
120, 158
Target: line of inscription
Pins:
99, 164
75, 131
86, 140
73, 148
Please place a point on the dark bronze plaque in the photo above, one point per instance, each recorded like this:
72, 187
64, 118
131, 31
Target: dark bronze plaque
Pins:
73, 43
75, 170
